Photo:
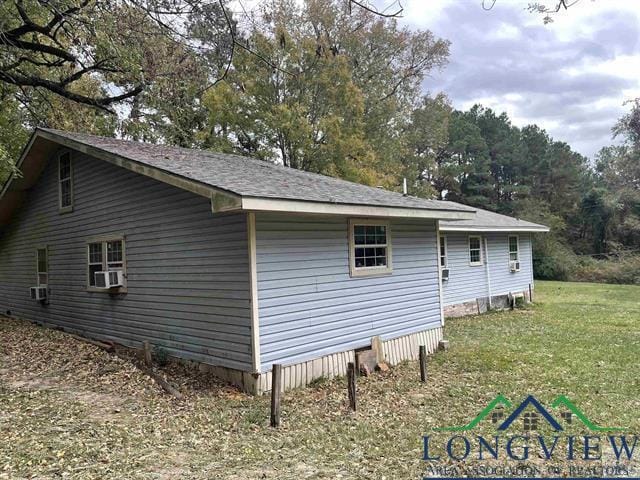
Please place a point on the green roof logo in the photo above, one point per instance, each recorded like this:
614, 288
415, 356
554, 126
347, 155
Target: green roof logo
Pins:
531, 401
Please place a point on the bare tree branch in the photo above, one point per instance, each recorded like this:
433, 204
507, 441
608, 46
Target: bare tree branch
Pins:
58, 88
375, 11
537, 7
49, 45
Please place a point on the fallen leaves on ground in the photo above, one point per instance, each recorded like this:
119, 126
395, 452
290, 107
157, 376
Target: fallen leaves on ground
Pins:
71, 410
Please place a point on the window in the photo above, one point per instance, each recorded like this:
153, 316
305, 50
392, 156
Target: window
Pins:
475, 251
104, 256
65, 182
95, 262
513, 248
497, 415
370, 248
114, 255
444, 262
43, 266
530, 421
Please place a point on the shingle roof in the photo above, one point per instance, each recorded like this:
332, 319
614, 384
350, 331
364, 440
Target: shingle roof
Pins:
258, 184
249, 177
489, 221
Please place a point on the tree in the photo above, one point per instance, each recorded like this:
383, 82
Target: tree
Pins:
54, 111
427, 137
336, 97
618, 171
13, 135
464, 166
51, 45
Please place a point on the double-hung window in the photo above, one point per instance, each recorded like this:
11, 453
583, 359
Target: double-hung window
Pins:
65, 182
103, 256
475, 251
514, 253
42, 261
369, 247
444, 261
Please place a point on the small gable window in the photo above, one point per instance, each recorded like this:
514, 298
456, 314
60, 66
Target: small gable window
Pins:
475, 251
513, 248
444, 262
530, 421
369, 248
65, 182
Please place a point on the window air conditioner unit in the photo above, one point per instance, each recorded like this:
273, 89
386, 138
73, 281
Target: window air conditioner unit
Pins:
39, 293
111, 279
445, 274
514, 265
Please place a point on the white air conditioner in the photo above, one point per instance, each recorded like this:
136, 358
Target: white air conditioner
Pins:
445, 274
514, 265
112, 279
39, 293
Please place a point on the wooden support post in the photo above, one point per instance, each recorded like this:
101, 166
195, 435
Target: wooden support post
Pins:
351, 385
423, 363
146, 349
276, 393
530, 294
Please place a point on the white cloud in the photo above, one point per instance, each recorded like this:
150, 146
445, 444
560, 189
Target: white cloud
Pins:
571, 76
506, 31
582, 18
419, 13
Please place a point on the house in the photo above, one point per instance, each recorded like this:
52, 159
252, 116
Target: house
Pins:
486, 261
228, 261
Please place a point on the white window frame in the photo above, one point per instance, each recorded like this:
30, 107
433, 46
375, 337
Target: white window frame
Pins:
65, 208
368, 271
481, 261
105, 264
443, 245
517, 251
38, 272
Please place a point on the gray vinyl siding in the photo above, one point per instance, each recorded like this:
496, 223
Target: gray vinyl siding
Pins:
502, 279
466, 283
309, 305
188, 275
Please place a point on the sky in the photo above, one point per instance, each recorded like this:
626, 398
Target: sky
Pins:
570, 77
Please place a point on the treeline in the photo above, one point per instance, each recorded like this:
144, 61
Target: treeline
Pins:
327, 87
593, 207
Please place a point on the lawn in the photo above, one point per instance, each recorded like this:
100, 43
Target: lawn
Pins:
68, 409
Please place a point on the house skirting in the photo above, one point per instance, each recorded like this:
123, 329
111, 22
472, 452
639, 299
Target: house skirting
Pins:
300, 374
481, 305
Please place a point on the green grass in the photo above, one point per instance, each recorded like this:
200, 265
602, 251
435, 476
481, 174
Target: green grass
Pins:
579, 340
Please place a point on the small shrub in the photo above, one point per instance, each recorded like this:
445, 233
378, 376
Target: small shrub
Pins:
318, 381
552, 259
160, 356
623, 270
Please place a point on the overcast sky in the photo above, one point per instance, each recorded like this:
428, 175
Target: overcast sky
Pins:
570, 77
